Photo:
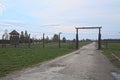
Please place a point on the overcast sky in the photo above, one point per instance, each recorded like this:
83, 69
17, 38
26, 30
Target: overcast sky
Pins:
54, 16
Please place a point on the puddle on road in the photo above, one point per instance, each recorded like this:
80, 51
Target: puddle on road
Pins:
116, 75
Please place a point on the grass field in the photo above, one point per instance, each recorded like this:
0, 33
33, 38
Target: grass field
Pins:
12, 59
113, 48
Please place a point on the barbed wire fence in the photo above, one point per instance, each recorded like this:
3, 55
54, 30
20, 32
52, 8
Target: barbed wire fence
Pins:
112, 41
36, 40
36, 37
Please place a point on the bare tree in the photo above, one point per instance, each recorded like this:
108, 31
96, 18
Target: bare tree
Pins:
5, 37
6, 34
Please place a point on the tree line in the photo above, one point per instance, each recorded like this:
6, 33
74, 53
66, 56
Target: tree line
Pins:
25, 37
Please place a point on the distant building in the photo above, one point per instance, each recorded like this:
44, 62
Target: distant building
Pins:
14, 38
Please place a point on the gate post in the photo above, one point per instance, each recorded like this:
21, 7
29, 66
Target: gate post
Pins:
77, 38
99, 39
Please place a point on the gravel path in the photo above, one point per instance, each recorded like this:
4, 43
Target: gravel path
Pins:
86, 63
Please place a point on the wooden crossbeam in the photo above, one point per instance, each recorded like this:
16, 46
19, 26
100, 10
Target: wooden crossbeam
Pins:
88, 27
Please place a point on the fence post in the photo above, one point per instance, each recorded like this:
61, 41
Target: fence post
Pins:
43, 40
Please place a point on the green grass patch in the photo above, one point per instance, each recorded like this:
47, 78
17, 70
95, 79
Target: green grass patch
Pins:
12, 59
112, 48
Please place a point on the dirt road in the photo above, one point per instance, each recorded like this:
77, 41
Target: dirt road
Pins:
85, 64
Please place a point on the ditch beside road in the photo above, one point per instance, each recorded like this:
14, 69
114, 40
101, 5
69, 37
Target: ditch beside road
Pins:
87, 63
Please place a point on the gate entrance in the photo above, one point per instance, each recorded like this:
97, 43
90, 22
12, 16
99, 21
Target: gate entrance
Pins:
99, 35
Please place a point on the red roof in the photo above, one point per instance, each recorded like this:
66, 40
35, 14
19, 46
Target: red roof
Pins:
14, 32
